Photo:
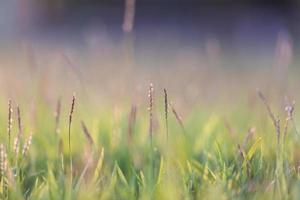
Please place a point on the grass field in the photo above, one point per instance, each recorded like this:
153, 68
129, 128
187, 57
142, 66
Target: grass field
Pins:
108, 132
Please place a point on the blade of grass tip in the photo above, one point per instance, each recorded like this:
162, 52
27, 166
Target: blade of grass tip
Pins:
161, 170
121, 175
69, 138
166, 111
142, 176
87, 134
99, 166
253, 148
178, 117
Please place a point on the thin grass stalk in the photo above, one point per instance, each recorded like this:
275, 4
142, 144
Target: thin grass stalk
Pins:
9, 123
151, 102
69, 138
275, 120
19, 121
87, 134
18, 140
178, 117
57, 116
131, 122
249, 135
166, 112
280, 181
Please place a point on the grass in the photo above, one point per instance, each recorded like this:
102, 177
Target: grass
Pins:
239, 144
113, 161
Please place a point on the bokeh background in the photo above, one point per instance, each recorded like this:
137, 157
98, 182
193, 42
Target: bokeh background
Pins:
235, 23
192, 47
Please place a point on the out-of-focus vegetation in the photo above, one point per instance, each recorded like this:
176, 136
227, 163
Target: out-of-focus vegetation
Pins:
221, 140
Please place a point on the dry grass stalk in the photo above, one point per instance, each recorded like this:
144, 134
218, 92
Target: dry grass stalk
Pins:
275, 120
87, 134
178, 117
151, 104
249, 135
27, 145
131, 121
9, 124
19, 121
244, 157
166, 111
69, 141
57, 116
70, 120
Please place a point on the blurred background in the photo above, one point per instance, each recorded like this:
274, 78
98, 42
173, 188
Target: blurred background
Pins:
232, 23
144, 39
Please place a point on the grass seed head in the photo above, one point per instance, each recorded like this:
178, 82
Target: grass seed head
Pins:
166, 111
27, 145
16, 145
151, 104
3, 160
72, 109
19, 120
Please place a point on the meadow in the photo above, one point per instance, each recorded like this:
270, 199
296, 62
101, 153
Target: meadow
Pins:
91, 127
